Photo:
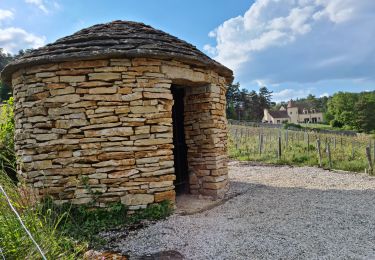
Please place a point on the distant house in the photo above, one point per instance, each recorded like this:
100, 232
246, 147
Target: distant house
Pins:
293, 114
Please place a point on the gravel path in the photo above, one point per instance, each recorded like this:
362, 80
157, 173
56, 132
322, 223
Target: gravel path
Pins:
282, 213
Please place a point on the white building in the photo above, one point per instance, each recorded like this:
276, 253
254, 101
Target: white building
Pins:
293, 114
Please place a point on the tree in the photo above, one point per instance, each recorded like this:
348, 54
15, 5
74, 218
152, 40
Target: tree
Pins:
353, 110
365, 118
249, 103
5, 91
264, 101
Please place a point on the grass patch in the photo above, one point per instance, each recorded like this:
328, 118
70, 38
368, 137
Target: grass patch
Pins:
299, 148
83, 223
62, 231
14, 241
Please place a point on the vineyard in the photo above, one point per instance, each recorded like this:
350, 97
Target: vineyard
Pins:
303, 148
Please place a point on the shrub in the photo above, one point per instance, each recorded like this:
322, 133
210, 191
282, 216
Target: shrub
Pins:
336, 123
7, 154
292, 126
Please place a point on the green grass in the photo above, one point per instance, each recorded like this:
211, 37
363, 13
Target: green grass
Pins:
244, 145
14, 241
62, 231
83, 223
321, 126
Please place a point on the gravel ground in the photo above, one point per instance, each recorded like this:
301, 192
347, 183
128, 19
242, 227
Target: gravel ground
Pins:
281, 213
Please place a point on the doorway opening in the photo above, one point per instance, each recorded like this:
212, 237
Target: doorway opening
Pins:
180, 148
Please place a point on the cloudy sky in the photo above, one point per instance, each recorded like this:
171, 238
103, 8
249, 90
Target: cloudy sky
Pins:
294, 47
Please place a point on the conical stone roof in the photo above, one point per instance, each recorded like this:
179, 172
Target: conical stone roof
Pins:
117, 39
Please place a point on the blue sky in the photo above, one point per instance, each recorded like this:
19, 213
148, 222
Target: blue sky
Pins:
294, 47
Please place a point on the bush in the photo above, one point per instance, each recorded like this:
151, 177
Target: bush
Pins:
7, 154
292, 126
336, 123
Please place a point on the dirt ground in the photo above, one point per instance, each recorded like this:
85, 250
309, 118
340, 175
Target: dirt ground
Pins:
276, 213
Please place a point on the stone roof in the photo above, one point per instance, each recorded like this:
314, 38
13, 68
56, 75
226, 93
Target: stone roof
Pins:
279, 114
117, 39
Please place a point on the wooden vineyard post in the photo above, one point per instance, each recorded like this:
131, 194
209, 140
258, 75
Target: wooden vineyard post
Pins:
308, 142
235, 136
334, 142
325, 143
286, 138
279, 148
319, 152
368, 155
329, 156
260, 143
353, 149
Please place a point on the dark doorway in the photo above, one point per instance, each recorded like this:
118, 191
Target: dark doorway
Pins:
180, 149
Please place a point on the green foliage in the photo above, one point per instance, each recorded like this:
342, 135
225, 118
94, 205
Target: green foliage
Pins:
310, 102
353, 110
252, 103
62, 231
83, 223
336, 123
292, 126
7, 154
5, 92
14, 241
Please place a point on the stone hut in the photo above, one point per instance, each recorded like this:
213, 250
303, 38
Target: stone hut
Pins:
120, 112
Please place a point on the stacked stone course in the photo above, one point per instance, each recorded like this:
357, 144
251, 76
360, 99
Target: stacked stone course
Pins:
107, 123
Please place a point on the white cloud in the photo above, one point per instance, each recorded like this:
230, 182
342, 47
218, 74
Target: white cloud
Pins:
288, 94
6, 14
324, 95
13, 39
299, 41
38, 3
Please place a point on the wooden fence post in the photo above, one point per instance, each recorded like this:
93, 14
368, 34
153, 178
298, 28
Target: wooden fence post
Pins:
279, 148
329, 156
353, 149
319, 152
286, 138
260, 143
308, 143
368, 155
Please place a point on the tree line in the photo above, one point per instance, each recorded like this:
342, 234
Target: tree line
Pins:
354, 111
247, 105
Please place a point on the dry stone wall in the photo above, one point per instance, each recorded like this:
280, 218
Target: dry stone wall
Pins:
101, 130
